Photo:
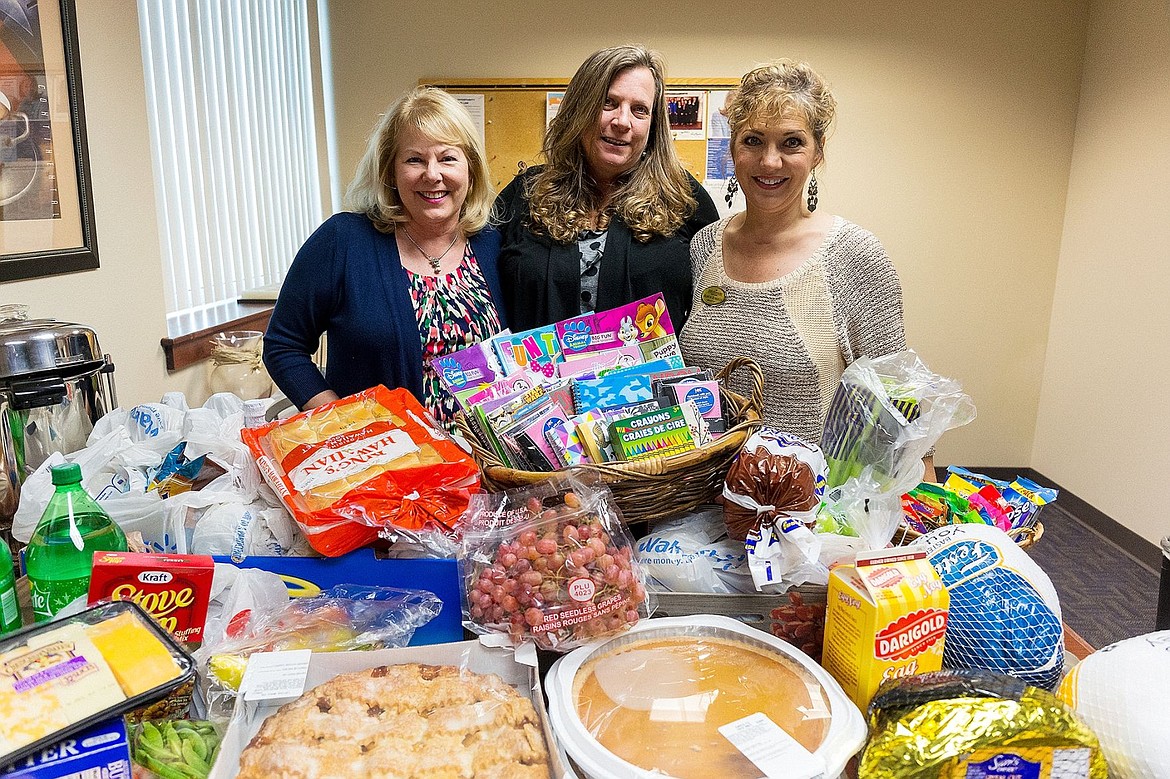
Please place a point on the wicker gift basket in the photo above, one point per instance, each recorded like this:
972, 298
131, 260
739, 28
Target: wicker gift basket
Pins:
658, 487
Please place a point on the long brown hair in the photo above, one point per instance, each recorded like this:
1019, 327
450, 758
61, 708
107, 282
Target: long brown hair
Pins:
654, 198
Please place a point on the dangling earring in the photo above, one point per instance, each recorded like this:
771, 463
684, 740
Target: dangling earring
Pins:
812, 192
732, 188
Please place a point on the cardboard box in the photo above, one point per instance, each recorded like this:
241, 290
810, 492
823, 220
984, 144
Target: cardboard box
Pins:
174, 589
309, 576
323, 666
101, 751
886, 618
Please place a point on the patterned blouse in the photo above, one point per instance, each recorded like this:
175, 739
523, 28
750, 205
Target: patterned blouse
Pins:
454, 311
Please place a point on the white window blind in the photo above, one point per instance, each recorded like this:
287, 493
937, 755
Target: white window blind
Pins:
230, 96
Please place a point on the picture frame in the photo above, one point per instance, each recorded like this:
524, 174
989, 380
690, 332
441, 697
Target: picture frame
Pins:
46, 200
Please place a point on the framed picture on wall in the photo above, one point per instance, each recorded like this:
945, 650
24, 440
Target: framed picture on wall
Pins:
46, 206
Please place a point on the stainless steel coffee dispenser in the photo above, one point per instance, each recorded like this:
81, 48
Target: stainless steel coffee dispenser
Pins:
55, 383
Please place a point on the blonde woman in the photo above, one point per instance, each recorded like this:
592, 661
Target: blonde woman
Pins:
607, 218
408, 274
799, 290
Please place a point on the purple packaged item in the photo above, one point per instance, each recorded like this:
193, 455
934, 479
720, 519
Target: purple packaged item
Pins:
642, 320
471, 367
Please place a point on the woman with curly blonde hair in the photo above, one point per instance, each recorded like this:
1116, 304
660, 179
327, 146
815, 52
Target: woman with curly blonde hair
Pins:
607, 218
802, 292
406, 275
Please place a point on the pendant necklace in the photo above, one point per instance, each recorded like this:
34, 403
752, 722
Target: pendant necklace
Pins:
435, 262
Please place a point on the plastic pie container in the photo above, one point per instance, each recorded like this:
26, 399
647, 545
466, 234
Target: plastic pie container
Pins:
650, 703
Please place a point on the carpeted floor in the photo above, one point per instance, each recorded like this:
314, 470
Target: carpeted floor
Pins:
1106, 594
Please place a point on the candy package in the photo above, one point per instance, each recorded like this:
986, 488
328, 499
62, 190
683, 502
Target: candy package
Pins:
552, 563
1005, 614
952, 724
362, 466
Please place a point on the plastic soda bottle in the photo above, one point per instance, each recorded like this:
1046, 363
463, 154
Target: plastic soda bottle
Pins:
9, 610
59, 557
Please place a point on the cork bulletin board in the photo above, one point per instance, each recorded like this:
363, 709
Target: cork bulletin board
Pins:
514, 112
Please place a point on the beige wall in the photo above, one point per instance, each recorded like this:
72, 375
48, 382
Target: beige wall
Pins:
123, 299
953, 143
1103, 425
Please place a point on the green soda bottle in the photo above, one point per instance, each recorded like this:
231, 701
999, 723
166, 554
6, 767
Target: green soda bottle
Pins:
9, 611
59, 557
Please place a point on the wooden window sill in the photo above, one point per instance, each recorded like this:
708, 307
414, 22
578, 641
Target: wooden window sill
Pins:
188, 338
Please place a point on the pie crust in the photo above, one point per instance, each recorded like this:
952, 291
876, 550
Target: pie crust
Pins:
402, 722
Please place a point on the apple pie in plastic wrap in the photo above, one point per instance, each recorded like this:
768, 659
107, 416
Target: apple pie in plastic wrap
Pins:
362, 465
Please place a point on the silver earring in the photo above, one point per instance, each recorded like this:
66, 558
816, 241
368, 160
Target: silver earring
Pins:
812, 192
732, 188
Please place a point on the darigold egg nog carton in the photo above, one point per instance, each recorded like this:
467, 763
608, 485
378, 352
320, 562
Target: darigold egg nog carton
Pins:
885, 618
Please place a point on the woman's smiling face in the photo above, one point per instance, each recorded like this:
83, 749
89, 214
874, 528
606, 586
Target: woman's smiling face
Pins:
432, 178
773, 160
615, 144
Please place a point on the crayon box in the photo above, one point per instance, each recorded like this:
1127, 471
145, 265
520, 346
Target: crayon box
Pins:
885, 619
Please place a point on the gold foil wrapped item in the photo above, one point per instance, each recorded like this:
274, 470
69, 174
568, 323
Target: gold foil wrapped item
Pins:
963, 724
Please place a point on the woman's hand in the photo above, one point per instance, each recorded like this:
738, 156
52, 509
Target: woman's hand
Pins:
327, 396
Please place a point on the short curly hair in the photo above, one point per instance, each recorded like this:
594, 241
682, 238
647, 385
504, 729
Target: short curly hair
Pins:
780, 89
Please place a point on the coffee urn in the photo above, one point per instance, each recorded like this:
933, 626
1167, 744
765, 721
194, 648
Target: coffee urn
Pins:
55, 383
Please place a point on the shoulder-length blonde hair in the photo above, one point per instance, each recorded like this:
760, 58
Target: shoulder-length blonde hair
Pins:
441, 118
654, 198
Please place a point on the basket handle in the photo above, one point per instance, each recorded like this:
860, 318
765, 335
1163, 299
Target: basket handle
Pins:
756, 377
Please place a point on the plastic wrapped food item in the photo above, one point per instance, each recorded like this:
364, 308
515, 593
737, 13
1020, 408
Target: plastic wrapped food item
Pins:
174, 749
966, 724
552, 563
1005, 615
346, 617
362, 465
700, 697
1121, 693
776, 475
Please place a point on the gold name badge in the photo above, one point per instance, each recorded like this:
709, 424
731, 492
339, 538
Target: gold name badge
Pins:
713, 296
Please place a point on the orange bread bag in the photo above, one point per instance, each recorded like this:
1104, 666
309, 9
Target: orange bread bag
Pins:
362, 464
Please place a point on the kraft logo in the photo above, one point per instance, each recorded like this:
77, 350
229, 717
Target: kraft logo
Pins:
155, 577
910, 635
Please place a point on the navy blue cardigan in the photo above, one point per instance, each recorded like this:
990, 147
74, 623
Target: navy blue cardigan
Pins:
348, 281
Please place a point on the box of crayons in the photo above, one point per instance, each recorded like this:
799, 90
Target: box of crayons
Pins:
657, 433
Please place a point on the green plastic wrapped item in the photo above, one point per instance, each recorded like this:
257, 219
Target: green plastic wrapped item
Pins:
967, 724
175, 749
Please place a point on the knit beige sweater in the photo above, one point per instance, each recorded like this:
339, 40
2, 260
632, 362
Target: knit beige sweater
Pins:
802, 329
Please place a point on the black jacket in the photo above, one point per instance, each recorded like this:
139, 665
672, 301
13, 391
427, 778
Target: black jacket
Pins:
541, 278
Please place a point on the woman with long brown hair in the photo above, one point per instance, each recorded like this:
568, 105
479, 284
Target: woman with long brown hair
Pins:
608, 217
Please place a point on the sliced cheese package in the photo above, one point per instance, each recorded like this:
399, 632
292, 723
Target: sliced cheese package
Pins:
60, 677
362, 465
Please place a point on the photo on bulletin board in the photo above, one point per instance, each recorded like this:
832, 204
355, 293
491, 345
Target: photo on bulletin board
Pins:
687, 112
717, 126
46, 209
552, 104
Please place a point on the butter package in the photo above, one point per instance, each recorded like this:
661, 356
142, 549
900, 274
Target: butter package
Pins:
969, 724
658, 433
100, 752
642, 320
886, 619
174, 589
